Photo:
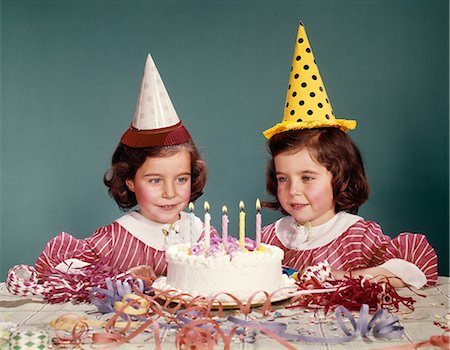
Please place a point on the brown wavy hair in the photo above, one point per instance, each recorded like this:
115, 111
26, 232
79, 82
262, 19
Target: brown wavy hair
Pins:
335, 150
127, 160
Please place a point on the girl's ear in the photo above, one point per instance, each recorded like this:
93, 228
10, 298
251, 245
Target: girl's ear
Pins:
130, 184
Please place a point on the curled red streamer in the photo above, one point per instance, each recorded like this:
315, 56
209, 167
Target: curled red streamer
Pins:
79, 329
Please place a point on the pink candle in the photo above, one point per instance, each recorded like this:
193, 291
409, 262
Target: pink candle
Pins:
258, 223
192, 234
225, 228
207, 226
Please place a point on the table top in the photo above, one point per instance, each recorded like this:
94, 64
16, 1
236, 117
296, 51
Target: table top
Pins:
430, 316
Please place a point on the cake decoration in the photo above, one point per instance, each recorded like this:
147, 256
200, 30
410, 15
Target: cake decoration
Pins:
226, 267
214, 272
218, 246
307, 104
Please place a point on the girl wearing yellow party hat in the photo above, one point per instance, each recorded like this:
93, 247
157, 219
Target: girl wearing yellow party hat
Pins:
317, 177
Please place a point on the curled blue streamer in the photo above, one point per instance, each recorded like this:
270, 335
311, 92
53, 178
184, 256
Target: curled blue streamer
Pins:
382, 326
104, 299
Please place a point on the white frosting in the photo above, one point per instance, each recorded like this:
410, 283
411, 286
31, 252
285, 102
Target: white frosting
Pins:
241, 274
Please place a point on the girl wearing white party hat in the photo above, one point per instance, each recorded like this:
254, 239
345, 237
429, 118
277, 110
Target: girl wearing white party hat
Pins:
317, 178
157, 168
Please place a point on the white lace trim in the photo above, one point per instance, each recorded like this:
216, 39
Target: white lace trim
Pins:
304, 237
160, 236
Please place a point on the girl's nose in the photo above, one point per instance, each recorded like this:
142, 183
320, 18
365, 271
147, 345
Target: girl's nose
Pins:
295, 188
168, 190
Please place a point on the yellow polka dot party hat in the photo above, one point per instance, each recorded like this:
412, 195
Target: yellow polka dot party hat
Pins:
307, 103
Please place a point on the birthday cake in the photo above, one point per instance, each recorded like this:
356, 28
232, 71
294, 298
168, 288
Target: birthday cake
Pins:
212, 272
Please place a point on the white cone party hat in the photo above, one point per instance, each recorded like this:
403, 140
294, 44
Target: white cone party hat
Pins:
155, 121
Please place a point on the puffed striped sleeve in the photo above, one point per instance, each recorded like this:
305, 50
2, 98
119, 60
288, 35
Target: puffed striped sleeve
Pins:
64, 246
268, 235
362, 245
415, 249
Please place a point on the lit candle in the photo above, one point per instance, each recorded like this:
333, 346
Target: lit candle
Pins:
241, 225
207, 225
225, 228
192, 234
258, 223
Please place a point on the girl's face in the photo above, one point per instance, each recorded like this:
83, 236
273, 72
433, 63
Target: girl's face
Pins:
162, 186
304, 187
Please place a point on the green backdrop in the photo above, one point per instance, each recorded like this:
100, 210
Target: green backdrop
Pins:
70, 74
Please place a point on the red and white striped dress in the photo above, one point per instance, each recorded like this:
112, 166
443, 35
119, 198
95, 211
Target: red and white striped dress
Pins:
360, 245
125, 243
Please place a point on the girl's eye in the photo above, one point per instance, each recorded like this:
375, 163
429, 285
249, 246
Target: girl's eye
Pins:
282, 179
307, 178
182, 180
155, 181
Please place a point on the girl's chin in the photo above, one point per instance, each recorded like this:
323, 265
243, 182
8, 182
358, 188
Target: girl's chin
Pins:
315, 221
163, 217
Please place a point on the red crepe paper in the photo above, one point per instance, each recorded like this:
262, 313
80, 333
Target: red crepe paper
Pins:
61, 287
352, 293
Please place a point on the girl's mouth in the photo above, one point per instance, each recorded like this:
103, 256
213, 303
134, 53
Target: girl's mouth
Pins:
168, 207
298, 206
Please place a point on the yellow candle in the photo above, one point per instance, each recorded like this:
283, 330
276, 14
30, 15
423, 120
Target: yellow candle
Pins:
241, 225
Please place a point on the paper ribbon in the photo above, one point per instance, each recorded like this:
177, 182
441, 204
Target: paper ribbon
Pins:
105, 299
22, 280
381, 325
438, 341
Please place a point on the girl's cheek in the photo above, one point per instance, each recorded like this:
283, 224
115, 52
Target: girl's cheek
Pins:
184, 191
187, 193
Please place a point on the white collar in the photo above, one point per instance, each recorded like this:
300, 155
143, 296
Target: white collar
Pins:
160, 236
299, 237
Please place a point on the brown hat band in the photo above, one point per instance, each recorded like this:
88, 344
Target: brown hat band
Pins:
170, 136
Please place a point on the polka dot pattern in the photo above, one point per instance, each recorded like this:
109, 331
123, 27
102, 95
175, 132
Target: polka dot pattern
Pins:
307, 96
154, 109
307, 103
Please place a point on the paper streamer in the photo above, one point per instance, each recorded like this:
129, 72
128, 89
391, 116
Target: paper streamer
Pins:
22, 280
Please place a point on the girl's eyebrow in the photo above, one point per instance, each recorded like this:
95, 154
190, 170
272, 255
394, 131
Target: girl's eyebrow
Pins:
300, 172
152, 174
161, 175
309, 172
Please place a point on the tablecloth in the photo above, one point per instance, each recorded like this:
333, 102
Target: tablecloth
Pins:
430, 316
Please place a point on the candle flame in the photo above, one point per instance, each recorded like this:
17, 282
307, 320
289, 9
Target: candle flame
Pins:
241, 205
224, 210
206, 207
191, 207
258, 204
